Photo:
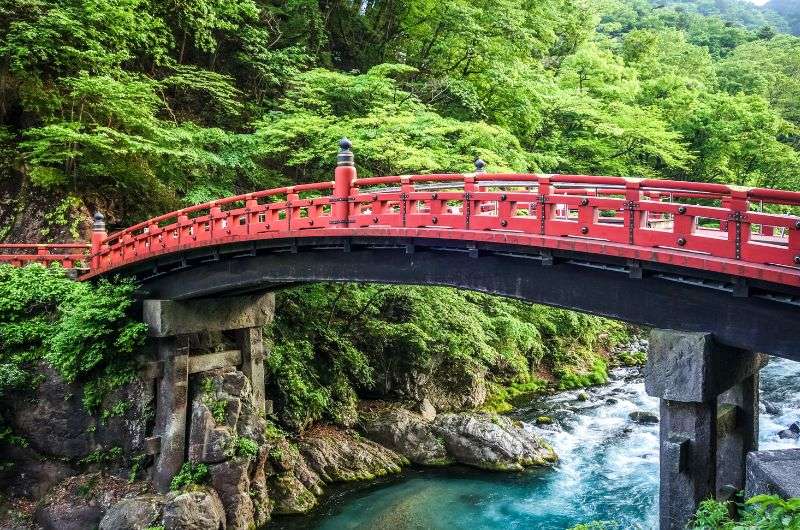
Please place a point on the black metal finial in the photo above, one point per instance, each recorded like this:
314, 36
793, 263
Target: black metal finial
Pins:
345, 156
99, 224
479, 166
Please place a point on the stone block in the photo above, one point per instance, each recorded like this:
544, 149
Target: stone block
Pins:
693, 367
166, 318
773, 473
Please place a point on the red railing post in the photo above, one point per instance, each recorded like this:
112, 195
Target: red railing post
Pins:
544, 190
738, 226
344, 176
633, 214
99, 235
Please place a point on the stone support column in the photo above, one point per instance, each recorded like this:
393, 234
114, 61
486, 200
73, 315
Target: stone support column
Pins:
737, 434
171, 324
171, 405
688, 371
251, 342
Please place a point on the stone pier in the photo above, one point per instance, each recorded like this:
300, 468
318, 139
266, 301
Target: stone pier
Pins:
709, 419
171, 325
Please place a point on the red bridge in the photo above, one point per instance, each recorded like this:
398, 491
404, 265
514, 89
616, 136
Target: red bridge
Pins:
676, 239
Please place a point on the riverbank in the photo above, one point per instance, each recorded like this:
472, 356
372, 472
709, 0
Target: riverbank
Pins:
608, 470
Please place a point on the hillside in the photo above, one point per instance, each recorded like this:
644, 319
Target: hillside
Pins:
741, 12
789, 10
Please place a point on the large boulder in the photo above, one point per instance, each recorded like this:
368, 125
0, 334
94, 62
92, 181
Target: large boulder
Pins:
337, 456
80, 502
32, 475
200, 509
60, 432
69, 429
233, 444
406, 433
489, 441
291, 496
134, 513
445, 384
231, 480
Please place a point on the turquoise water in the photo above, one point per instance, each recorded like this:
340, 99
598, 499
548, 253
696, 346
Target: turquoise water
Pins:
608, 470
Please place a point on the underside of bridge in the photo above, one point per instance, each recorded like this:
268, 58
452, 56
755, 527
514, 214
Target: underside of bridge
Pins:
738, 314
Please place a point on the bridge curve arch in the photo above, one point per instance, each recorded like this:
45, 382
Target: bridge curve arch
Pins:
641, 293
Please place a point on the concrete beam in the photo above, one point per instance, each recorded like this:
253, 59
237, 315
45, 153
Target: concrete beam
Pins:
693, 367
168, 318
773, 473
212, 361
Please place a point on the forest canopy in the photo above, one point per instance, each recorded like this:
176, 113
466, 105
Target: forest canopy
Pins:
136, 106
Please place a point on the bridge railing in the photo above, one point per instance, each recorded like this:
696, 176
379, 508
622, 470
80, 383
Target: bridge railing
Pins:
758, 226
68, 255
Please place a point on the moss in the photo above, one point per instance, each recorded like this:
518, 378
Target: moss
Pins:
638, 358
544, 420
570, 379
501, 397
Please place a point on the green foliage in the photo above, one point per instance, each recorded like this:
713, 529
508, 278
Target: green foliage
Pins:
102, 456
217, 406
762, 512
570, 379
501, 397
331, 341
190, 474
75, 327
243, 447
637, 358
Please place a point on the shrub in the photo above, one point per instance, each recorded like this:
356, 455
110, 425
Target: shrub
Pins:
762, 512
80, 328
330, 341
190, 474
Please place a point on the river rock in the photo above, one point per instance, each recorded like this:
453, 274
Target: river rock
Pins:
337, 456
643, 417
136, 513
771, 408
231, 481
290, 495
194, 510
489, 441
80, 502
407, 433
792, 433
238, 479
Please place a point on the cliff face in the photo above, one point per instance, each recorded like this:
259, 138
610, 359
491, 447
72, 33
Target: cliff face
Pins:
80, 471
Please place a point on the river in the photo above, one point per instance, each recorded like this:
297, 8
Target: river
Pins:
608, 469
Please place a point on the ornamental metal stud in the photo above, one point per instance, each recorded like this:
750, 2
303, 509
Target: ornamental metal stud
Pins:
584, 230
682, 210
681, 241
345, 156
